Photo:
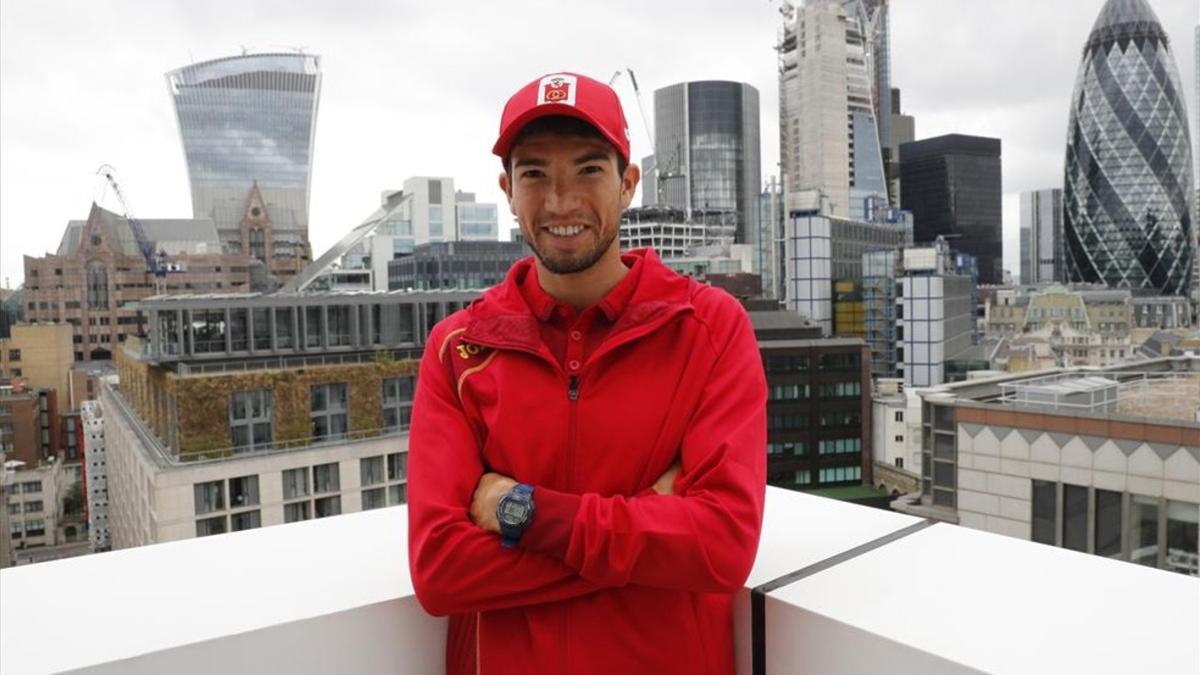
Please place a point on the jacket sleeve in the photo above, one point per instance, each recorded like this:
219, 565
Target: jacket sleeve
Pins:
456, 566
704, 537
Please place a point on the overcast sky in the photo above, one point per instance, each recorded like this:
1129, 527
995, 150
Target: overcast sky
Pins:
415, 88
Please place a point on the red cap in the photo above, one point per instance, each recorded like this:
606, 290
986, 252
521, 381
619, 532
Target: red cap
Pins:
565, 94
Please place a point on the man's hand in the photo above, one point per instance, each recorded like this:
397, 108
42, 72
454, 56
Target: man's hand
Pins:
665, 485
491, 487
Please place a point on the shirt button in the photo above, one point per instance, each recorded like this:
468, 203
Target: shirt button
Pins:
576, 335
573, 365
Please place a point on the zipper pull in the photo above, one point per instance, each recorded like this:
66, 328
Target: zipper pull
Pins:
573, 388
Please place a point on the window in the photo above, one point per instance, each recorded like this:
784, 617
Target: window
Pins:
899, 438
328, 506
14, 509
397, 494
283, 328
243, 491
209, 497
1045, 516
838, 446
899, 416
312, 326
295, 483
339, 326
839, 474
15, 529
374, 499
325, 478
97, 285
397, 466
250, 417
246, 520
841, 389
397, 402
803, 477
1108, 523
262, 329
1075, 517
295, 512
1143, 530
208, 331
899, 462
31, 486
1183, 531
238, 334
210, 526
35, 527
329, 406
14, 355
33, 507
371, 470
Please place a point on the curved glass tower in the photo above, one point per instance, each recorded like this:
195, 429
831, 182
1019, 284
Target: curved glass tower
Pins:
1127, 216
707, 151
247, 119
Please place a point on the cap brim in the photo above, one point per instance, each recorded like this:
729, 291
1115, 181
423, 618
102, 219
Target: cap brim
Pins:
504, 144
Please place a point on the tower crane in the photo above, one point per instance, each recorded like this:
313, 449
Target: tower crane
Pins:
155, 264
666, 170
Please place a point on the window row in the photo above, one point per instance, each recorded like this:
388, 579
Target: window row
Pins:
839, 446
841, 389
787, 392
786, 449
840, 474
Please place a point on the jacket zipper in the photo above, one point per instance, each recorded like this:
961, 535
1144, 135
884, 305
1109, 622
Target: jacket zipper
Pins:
572, 435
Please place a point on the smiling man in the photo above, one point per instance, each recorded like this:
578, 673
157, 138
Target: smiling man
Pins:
588, 447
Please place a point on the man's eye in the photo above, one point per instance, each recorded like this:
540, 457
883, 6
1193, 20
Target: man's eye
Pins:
593, 168
531, 173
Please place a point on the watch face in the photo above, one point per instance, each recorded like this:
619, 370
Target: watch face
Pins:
513, 512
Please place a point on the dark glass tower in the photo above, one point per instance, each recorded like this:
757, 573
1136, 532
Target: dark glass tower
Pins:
1127, 187
952, 186
706, 154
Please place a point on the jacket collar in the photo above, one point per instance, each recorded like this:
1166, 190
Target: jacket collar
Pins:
502, 317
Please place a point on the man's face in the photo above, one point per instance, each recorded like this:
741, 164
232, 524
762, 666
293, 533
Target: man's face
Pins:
568, 198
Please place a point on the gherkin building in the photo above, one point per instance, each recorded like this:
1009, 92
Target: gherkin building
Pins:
1127, 190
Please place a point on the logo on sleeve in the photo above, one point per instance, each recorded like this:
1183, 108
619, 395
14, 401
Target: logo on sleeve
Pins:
557, 89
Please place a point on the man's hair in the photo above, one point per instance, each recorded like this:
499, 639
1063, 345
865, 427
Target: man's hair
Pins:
563, 125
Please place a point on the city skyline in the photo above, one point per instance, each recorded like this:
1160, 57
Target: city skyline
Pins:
440, 118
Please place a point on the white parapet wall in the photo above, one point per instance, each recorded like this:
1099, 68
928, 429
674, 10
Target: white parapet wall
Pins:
852, 590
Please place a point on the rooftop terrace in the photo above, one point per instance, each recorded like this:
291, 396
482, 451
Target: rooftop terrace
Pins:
836, 588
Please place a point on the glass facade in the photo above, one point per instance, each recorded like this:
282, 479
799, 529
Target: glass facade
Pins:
245, 119
1127, 212
707, 151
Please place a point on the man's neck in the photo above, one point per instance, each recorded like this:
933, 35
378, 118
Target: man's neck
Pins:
581, 290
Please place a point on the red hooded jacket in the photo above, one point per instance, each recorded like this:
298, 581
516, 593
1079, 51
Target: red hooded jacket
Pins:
610, 577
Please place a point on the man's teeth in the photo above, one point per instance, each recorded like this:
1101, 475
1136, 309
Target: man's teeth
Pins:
570, 231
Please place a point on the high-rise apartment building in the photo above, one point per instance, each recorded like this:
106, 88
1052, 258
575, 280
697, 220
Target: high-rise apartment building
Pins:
706, 154
832, 82
1127, 212
952, 185
1042, 237
249, 121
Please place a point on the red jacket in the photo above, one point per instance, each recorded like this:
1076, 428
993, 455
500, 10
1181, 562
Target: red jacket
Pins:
610, 577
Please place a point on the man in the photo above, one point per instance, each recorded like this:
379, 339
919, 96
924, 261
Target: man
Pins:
587, 454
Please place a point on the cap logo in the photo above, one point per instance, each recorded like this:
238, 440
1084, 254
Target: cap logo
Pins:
557, 89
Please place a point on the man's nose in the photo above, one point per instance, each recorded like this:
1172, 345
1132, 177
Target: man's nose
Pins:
560, 198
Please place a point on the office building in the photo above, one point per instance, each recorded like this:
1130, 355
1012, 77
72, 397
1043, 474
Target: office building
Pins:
952, 186
1103, 461
245, 410
249, 121
901, 130
1042, 254
95, 474
40, 355
935, 312
34, 506
427, 210
99, 267
830, 90
1127, 202
818, 405
770, 241
454, 264
819, 249
706, 154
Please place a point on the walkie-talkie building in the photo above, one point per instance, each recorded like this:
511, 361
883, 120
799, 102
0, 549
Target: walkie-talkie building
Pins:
1127, 195
245, 120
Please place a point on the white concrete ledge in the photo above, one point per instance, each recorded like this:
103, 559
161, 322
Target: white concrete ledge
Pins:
334, 595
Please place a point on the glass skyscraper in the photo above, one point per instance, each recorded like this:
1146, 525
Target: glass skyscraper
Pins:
706, 154
244, 120
1127, 202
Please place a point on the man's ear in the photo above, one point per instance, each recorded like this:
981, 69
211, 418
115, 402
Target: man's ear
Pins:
629, 183
506, 186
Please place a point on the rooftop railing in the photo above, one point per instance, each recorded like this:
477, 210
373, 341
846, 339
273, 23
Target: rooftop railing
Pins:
836, 588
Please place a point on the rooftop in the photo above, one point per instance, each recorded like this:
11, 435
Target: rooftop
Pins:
825, 595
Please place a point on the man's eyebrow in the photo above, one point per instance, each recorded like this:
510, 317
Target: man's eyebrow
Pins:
529, 161
591, 157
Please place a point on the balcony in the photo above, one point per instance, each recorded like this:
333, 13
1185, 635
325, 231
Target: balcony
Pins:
836, 588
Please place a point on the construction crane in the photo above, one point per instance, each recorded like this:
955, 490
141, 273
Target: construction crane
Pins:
155, 264
665, 168
638, 94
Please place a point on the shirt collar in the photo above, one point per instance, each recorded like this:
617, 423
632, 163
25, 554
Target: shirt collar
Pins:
542, 304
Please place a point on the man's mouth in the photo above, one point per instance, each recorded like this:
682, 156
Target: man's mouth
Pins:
565, 230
